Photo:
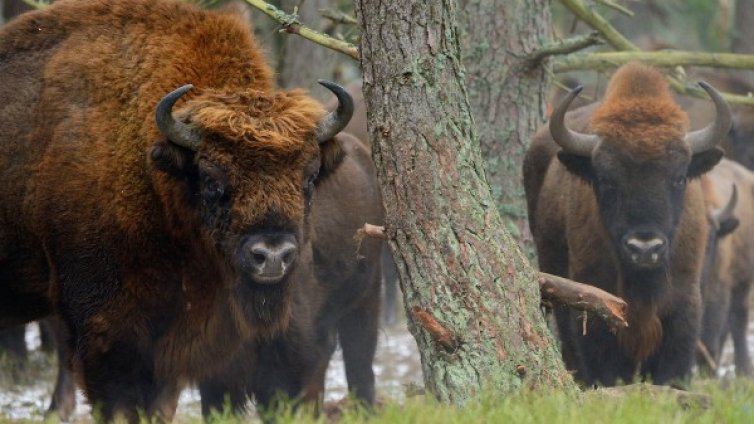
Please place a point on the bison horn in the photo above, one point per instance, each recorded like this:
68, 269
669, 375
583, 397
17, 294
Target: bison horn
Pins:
176, 131
725, 213
335, 121
570, 141
708, 137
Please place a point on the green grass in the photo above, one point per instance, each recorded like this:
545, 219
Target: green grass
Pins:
731, 404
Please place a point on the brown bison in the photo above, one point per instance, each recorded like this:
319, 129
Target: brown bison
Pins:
337, 298
725, 291
162, 222
357, 127
618, 205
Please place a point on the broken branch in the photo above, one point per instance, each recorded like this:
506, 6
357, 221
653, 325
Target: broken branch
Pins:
566, 46
440, 334
584, 297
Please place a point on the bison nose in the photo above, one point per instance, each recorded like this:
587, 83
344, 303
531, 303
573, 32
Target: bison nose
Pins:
270, 260
645, 251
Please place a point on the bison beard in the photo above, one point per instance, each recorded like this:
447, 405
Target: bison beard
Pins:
143, 143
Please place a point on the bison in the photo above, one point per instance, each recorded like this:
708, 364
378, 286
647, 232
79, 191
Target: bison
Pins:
155, 190
357, 127
725, 291
337, 298
618, 205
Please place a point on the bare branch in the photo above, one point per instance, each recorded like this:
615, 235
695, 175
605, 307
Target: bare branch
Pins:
339, 17
291, 25
666, 58
584, 297
706, 355
622, 9
562, 47
596, 21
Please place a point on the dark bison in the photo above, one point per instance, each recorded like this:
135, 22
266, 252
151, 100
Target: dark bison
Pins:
162, 222
726, 289
618, 205
336, 298
357, 127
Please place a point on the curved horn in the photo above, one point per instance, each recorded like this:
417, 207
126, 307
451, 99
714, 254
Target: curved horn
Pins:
708, 137
177, 132
335, 121
725, 213
571, 141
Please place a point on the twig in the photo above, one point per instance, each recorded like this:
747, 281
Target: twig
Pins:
569, 45
706, 355
369, 230
291, 25
584, 297
338, 17
622, 9
440, 334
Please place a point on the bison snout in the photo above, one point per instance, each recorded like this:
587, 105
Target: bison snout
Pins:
646, 251
267, 261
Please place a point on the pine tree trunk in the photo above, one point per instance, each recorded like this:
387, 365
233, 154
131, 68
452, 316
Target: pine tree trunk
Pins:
507, 97
471, 295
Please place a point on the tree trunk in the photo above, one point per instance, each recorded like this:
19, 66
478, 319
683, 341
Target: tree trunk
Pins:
472, 297
507, 98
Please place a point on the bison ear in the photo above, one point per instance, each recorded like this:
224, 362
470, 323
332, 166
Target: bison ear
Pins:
578, 165
727, 227
169, 158
332, 154
704, 161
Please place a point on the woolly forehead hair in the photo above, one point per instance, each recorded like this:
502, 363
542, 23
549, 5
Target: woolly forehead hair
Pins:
639, 112
280, 121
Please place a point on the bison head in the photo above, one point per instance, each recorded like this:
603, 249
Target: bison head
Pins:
638, 163
245, 166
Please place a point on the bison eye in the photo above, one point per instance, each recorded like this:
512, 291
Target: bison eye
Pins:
212, 191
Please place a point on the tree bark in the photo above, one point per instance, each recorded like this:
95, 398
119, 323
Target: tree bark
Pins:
472, 297
507, 97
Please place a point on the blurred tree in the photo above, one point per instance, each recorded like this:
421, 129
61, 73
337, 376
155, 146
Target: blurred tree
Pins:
506, 94
472, 297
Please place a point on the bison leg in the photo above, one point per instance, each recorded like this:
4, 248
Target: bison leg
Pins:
357, 333
227, 390
716, 308
739, 320
672, 362
13, 345
63, 400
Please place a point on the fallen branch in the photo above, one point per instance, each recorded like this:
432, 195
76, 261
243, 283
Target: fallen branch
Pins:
603, 61
622, 9
584, 297
291, 25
